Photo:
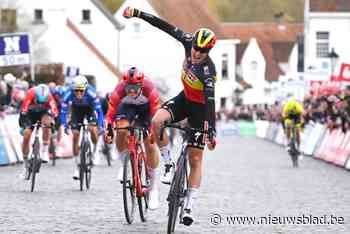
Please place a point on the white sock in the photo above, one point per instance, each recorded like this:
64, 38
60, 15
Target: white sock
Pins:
153, 174
191, 198
76, 159
45, 148
25, 163
165, 153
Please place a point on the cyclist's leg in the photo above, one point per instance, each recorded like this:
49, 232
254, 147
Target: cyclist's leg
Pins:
152, 156
91, 117
153, 171
27, 133
195, 152
46, 121
195, 177
288, 123
124, 114
76, 118
173, 110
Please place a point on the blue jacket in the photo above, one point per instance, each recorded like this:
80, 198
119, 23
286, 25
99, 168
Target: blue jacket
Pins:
89, 99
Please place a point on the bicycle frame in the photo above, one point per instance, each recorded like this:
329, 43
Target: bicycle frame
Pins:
137, 153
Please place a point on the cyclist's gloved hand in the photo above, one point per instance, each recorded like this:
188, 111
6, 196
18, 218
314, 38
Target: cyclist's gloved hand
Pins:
211, 139
131, 12
109, 134
66, 130
23, 119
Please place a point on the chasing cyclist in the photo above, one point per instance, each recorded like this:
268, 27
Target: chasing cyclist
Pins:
292, 112
84, 104
196, 102
135, 100
38, 105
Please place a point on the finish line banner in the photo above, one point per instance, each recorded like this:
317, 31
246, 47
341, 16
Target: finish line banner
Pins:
14, 49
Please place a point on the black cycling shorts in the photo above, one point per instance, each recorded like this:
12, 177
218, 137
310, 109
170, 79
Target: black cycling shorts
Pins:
35, 116
180, 108
138, 113
78, 115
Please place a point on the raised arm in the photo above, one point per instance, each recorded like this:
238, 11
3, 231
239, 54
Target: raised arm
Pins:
173, 31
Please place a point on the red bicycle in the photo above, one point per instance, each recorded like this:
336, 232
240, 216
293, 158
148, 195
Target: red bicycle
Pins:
136, 181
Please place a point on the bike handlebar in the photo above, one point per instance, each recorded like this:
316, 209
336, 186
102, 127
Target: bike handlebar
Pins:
187, 130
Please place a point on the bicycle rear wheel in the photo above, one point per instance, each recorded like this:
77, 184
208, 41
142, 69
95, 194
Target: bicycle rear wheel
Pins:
145, 183
128, 190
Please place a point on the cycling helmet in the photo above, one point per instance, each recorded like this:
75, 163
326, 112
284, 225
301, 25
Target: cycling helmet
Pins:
203, 40
133, 76
9, 78
42, 93
79, 83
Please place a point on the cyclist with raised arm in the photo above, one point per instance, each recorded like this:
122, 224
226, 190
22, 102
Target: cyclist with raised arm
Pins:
38, 105
84, 104
292, 112
135, 100
196, 102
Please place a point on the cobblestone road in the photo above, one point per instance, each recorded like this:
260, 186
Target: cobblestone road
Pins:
243, 177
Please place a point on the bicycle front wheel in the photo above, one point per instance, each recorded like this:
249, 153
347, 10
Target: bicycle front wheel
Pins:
82, 166
32, 173
128, 190
175, 195
88, 169
145, 183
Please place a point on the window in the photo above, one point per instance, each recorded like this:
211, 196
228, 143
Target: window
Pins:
8, 19
86, 17
38, 16
224, 67
137, 27
254, 66
322, 44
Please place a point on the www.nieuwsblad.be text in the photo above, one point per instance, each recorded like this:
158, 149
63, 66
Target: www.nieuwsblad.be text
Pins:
218, 219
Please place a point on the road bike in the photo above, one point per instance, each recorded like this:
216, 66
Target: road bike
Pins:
34, 159
85, 165
136, 179
179, 184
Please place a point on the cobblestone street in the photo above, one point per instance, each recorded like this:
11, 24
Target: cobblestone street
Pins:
243, 177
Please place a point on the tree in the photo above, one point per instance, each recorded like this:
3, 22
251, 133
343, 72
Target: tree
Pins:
112, 5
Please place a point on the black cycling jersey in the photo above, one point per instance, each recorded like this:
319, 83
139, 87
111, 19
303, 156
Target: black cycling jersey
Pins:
198, 79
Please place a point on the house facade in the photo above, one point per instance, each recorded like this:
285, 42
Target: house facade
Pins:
266, 52
161, 56
327, 27
80, 34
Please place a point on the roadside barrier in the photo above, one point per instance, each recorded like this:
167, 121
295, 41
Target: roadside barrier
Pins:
316, 141
11, 140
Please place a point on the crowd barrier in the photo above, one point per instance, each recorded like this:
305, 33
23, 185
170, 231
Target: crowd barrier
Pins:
316, 141
11, 140
235, 128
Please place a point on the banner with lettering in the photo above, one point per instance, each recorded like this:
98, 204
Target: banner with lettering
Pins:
14, 49
344, 74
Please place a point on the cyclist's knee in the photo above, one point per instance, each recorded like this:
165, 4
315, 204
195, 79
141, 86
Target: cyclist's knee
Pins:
160, 117
195, 156
46, 120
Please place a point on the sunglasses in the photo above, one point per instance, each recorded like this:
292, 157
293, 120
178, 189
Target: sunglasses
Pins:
79, 91
200, 50
132, 88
